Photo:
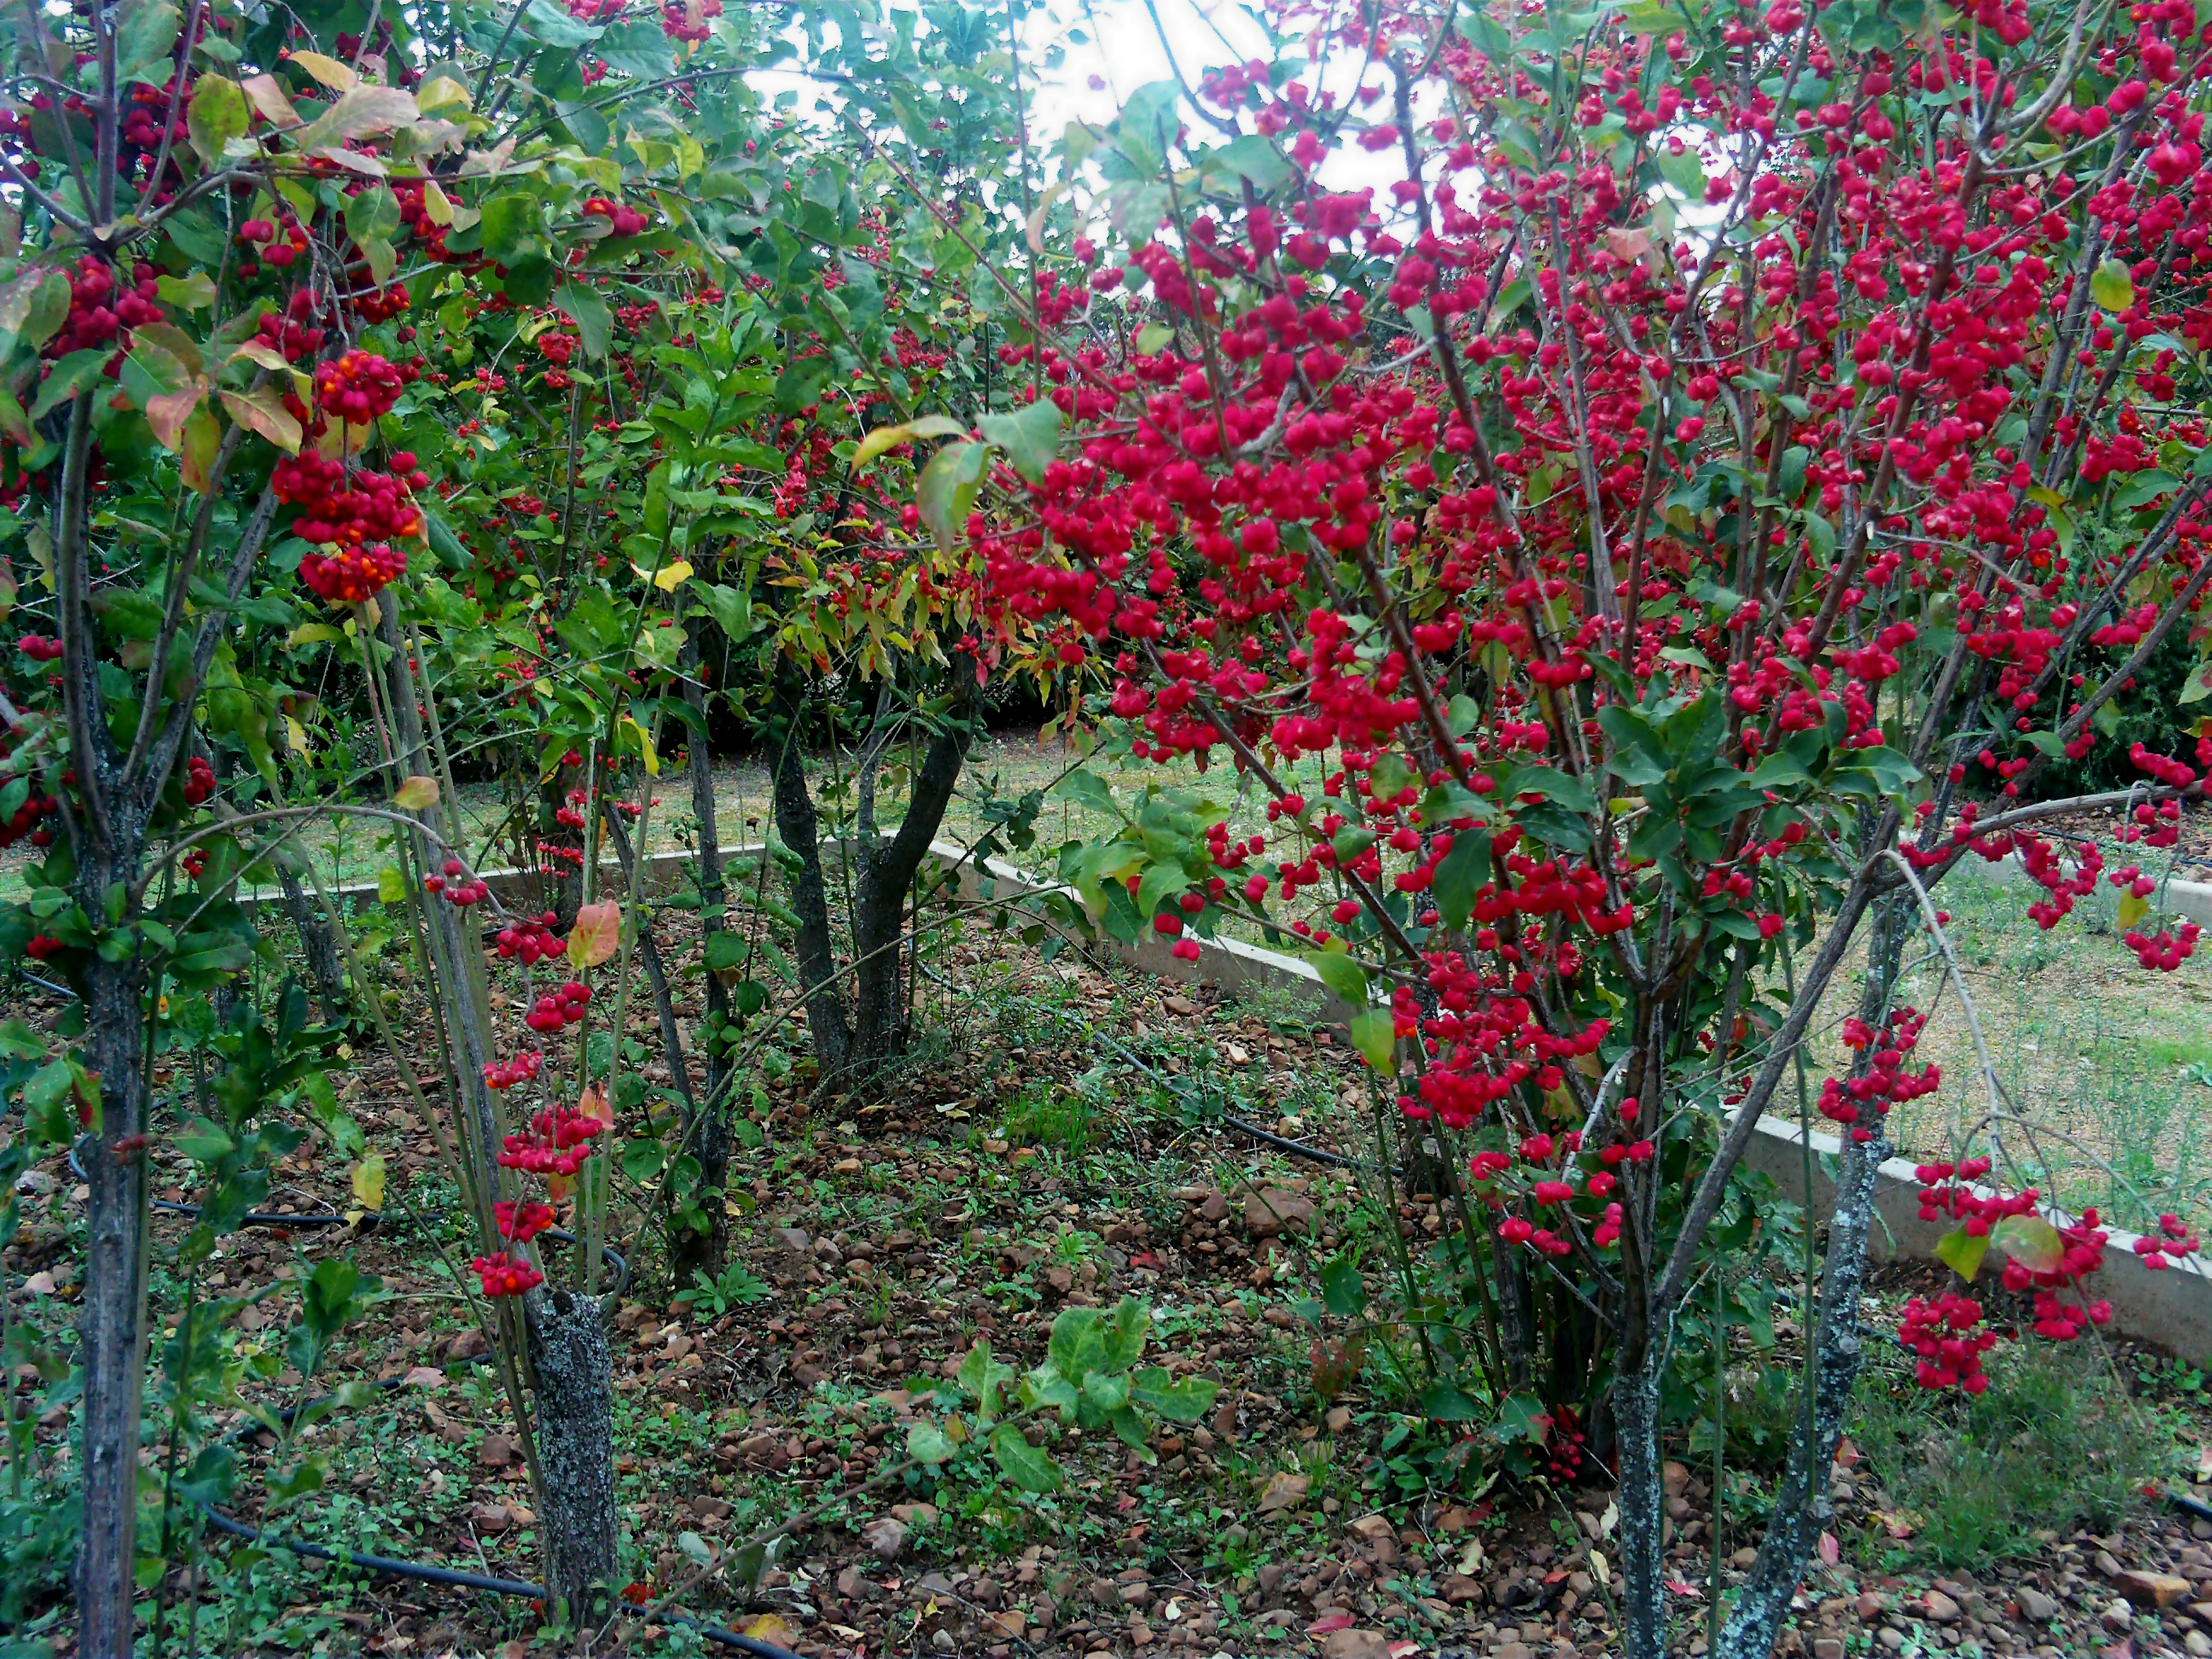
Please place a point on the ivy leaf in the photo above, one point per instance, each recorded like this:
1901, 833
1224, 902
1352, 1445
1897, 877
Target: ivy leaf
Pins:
597, 933
1023, 1464
2031, 1241
1962, 1252
2112, 285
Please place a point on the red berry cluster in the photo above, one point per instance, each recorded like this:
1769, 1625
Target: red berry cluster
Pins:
288, 332
93, 321
506, 1276
558, 1008
353, 573
39, 648
687, 20
278, 245
627, 220
506, 1074
199, 780
520, 1222
456, 885
559, 1140
42, 946
1942, 1333
24, 820
2164, 951
2174, 1240
1885, 1082
358, 387
530, 938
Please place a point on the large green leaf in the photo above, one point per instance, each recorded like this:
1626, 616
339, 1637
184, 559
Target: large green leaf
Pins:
1023, 1464
947, 490
1030, 436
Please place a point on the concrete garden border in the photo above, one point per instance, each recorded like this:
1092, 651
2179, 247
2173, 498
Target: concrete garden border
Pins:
2170, 1309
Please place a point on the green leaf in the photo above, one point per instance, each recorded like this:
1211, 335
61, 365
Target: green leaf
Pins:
509, 224
74, 374
2031, 1241
1022, 1463
1442, 1403
982, 1377
1343, 1291
217, 114
945, 492
732, 609
556, 28
374, 212
1374, 1033
1159, 1393
2112, 285
145, 34
1254, 158
1457, 877
927, 1443
1962, 1252
1030, 436
884, 438
725, 950
1077, 1345
1342, 975
1523, 1417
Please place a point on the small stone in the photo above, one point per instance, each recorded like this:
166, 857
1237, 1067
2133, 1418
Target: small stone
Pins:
1939, 1608
1376, 1538
1274, 1210
794, 1239
852, 1166
1457, 1519
424, 1376
1462, 1591
1868, 1607
497, 1452
942, 1640
2119, 1615
1011, 1623
1827, 1647
913, 1514
1284, 1491
1891, 1640
1675, 1476
886, 1537
468, 1345
1352, 1642
1744, 1560
488, 1517
1513, 1649
2036, 1606
2149, 1590
1338, 1421
2197, 1644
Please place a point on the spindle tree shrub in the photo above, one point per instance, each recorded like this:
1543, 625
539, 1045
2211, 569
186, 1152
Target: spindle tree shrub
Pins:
1681, 514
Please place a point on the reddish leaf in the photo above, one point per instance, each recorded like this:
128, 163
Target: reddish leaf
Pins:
597, 933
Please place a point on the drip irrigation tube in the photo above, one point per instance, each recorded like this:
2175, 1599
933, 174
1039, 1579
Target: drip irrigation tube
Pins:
473, 1581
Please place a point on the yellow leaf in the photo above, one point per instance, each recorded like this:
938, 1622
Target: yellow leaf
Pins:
672, 576
390, 885
270, 98
295, 734
645, 746
416, 793
259, 412
435, 206
312, 634
2133, 908
770, 1629
368, 1182
331, 72
597, 931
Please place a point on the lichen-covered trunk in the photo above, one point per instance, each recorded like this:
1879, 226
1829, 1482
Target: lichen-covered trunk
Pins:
320, 948
693, 1251
112, 1328
573, 1370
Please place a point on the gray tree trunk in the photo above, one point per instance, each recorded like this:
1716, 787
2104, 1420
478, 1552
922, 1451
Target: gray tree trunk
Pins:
574, 1371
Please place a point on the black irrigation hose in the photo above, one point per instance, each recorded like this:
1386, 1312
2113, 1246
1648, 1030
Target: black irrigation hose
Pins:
474, 1581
